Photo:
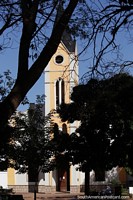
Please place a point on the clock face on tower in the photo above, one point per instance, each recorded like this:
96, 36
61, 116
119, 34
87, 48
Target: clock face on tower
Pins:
59, 59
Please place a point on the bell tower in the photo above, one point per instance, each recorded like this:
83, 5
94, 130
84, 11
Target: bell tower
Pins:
61, 73
60, 76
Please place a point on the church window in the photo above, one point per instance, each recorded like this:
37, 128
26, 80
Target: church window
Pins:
64, 128
57, 93
60, 92
59, 59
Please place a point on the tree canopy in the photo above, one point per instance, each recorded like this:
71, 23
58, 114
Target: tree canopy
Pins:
29, 147
104, 108
59, 144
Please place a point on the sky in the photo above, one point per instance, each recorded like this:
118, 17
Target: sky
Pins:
9, 59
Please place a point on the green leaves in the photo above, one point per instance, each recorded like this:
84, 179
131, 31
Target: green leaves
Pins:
31, 137
104, 108
6, 83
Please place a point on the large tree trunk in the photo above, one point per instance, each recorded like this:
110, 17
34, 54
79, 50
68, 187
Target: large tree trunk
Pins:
87, 182
33, 175
99, 175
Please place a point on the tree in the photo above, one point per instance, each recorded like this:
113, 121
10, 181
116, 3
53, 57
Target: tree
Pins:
104, 108
32, 18
60, 144
5, 147
6, 83
30, 143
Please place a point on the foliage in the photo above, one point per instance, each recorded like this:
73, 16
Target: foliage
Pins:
5, 147
6, 83
29, 146
59, 145
104, 138
115, 182
129, 170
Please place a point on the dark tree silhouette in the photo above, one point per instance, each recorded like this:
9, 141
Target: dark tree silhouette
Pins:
104, 138
29, 146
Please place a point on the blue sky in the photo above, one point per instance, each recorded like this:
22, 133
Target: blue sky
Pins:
9, 59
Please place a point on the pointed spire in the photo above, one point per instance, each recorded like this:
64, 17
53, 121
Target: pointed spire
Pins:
66, 37
60, 10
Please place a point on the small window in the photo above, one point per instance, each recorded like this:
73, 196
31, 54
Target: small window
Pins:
64, 128
60, 92
59, 59
57, 94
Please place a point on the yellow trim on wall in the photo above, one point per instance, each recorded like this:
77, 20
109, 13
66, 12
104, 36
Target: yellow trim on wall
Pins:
11, 176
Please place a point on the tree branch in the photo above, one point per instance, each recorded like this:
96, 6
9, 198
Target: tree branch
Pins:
23, 84
37, 68
29, 13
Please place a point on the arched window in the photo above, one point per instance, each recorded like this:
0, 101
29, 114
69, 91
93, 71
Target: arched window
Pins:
64, 128
57, 93
60, 92
56, 130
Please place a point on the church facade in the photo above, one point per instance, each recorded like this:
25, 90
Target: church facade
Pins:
60, 76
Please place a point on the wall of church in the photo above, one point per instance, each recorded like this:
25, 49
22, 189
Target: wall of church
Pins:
46, 183
11, 176
76, 179
3, 179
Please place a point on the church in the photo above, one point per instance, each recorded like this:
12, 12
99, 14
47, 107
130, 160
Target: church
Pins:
60, 76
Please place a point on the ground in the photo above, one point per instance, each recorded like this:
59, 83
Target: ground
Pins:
63, 196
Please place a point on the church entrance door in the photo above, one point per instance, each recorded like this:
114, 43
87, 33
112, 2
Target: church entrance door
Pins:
63, 180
